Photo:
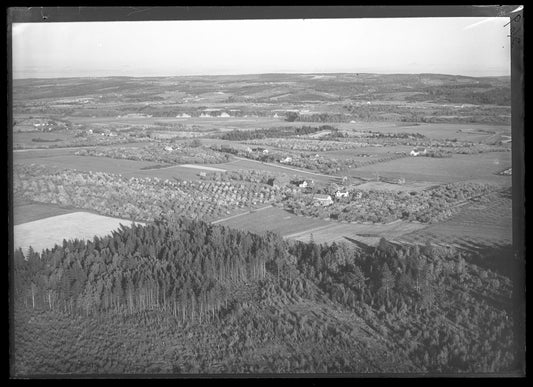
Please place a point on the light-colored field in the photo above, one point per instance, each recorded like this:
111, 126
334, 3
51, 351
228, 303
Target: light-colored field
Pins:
463, 132
197, 166
323, 231
375, 151
477, 167
88, 163
273, 219
407, 187
365, 233
46, 233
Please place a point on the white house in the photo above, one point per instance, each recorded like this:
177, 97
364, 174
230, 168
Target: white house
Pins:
225, 115
286, 160
324, 200
169, 149
265, 151
340, 194
418, 151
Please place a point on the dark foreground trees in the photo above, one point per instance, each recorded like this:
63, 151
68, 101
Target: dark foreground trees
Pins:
433, 308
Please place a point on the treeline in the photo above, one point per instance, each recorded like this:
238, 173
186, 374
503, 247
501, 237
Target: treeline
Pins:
286, 131
428, 300
179, 266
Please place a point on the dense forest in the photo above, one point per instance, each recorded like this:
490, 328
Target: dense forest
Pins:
287, 131
184, 296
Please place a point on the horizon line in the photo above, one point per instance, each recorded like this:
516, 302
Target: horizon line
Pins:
248, 74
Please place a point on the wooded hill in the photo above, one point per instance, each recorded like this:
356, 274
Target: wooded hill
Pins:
185, 296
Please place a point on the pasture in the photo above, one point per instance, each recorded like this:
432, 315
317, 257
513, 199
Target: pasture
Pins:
479, 224
475, 167
28, 212
365, 233
407, 187
273, 219
88, 163
202, 167
46, 233
304, 228
435, 131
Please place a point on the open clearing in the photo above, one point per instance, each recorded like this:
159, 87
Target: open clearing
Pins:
366, 233
213, 169
34, 211
476, 167
407, 187
480, 224
463, 132
301, 227
46, 233
273, 219
88, 163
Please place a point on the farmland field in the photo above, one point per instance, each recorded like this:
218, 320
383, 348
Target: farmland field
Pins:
274, 219
301, 228
89, 163
408, 186
368, 234
29, 212
478, 167
477, 225
45, 233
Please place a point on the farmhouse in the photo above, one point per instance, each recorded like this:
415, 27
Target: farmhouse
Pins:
418, 151
183, 115
303, 183
169, 149
286, 160
340, 194
225, 115
324, 200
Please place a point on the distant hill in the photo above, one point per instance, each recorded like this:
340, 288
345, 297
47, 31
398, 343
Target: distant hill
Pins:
316, 87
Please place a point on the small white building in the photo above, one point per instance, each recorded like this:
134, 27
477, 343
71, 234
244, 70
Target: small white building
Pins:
340, 194
225, 115
169, 148
265, 151
324, 200
286, 160
418, 151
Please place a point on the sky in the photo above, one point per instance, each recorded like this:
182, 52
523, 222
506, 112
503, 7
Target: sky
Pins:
458, 46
